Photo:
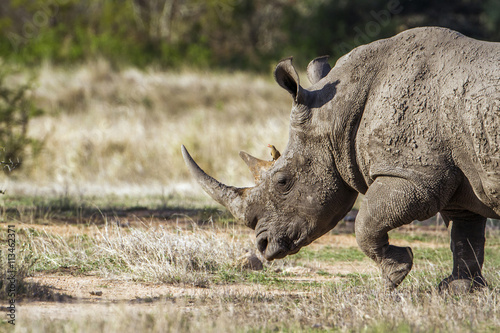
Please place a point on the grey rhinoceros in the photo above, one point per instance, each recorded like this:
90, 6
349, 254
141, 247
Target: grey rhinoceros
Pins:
412, 122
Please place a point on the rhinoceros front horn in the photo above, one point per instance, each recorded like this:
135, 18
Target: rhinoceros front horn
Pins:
233, 198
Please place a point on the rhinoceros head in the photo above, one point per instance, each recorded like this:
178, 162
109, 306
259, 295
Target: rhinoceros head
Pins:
300, 196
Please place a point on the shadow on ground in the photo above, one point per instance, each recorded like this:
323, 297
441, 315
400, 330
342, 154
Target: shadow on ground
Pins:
124, 213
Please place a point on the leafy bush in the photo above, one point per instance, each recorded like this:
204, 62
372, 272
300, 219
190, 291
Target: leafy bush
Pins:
16, 109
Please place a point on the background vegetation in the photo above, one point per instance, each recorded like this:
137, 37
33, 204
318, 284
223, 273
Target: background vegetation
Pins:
242, 34
96, 97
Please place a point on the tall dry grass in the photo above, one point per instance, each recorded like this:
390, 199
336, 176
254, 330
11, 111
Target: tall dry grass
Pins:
106, 128
156, 254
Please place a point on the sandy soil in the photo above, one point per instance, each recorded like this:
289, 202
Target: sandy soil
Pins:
99, 296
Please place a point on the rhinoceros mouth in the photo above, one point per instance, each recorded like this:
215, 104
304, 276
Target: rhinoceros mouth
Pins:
272, 248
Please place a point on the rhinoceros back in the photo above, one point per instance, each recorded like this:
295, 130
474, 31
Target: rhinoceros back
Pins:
434, 99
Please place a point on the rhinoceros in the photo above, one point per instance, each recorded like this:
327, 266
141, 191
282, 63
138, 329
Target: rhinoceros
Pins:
412, 122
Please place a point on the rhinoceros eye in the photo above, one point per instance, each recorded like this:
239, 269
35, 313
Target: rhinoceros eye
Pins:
283, 181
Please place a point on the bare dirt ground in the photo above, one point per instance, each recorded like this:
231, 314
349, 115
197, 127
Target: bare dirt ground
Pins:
76, 294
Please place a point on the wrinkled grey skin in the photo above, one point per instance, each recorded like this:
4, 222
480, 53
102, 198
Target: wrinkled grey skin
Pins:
413, 123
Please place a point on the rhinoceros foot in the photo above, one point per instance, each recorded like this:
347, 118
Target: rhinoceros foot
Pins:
396, 264
455, 285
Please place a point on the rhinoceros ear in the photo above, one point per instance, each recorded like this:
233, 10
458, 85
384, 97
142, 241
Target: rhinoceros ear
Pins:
257, 166
317, 69
287, 77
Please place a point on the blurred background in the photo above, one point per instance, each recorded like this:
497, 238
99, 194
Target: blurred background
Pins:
97, 96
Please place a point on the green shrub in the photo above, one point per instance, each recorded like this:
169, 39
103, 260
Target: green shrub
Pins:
16, 110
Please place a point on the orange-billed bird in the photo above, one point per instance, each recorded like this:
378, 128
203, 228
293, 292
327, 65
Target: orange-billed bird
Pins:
274, 152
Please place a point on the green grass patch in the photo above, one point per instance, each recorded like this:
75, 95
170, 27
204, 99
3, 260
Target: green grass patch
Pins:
419, 236
331, 254
437, 255
323, 273
492, 256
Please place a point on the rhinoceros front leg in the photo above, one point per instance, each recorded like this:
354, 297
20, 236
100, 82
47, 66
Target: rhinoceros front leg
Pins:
389, 203
467, 245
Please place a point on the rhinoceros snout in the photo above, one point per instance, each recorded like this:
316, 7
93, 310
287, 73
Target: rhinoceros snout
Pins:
271, 248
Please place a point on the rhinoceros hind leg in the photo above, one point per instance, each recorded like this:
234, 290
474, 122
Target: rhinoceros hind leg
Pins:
391, 202
467, 245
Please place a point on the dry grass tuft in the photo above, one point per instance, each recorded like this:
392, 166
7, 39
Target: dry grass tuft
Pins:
156, 254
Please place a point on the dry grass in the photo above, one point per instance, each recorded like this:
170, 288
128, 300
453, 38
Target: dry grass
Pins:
279, 301
156, 254
125, 128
